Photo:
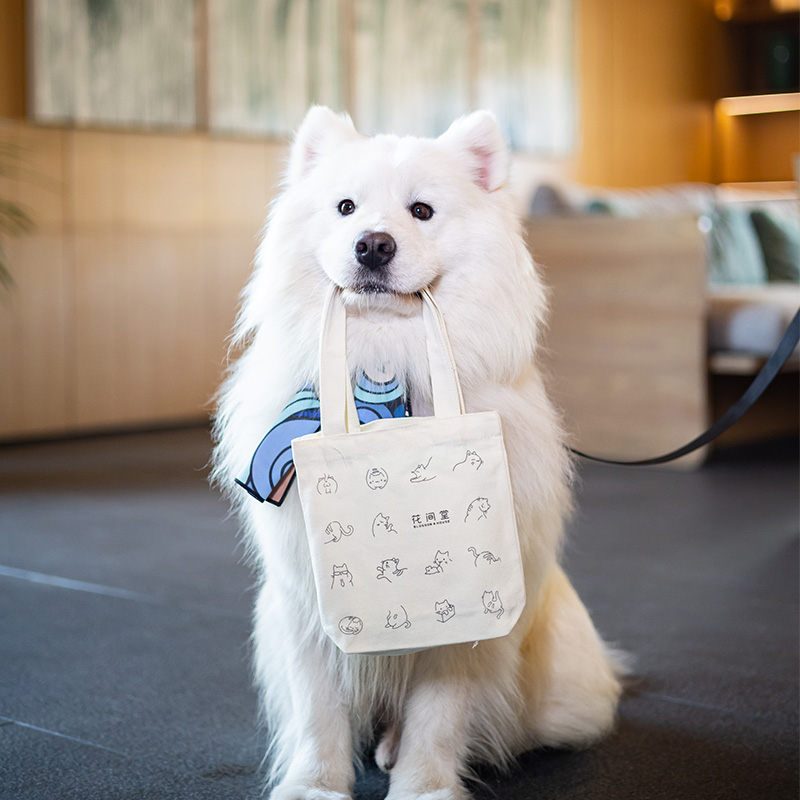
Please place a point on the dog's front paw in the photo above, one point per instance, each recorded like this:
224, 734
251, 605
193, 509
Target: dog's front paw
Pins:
296, 791
386, 751
454, 793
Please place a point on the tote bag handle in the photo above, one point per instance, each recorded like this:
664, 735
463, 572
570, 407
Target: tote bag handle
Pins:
337, 406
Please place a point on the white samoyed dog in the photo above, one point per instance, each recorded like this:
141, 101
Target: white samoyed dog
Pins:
384, 217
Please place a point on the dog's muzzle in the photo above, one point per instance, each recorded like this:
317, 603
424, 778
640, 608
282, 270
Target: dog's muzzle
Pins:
375, 249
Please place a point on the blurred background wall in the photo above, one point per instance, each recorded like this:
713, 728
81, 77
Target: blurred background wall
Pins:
124, 293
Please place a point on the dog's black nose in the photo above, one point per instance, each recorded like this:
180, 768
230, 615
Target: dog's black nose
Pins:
375, 249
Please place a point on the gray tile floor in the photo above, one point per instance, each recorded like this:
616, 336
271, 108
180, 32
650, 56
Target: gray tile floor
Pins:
124, 623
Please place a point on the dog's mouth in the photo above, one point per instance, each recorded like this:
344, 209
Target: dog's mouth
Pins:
378, 292
371, 289
379, 297
370, 285
371, 282
383, 289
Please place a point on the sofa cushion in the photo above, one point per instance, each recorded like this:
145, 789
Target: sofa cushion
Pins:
734, 250
780, 243
671, 200
750, 319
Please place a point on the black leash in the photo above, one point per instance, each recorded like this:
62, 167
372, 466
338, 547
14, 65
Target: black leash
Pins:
767, 374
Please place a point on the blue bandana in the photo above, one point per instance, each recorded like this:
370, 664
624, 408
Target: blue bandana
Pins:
271, 470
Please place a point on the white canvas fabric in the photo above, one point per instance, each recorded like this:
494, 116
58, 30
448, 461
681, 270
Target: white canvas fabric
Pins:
410, 522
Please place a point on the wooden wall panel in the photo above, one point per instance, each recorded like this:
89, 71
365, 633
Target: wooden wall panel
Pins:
12, 58
176, 254
126, 294
163, 182
240, 177
35, 336
94, 186
98, 326
228, 268
35, 345
648, 74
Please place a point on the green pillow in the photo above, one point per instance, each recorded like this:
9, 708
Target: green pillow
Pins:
735, 254
780, 241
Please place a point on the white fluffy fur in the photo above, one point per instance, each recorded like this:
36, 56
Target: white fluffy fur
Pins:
551, 681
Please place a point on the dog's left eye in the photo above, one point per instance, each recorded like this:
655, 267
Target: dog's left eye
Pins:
421, 211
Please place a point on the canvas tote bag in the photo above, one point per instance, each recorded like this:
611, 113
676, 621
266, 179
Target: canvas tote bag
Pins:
410, 522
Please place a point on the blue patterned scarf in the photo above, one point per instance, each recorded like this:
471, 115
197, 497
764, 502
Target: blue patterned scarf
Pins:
271, 470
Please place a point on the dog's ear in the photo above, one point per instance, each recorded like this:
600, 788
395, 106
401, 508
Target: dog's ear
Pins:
320, 131
478, 139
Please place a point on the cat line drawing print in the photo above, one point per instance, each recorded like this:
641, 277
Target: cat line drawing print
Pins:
382, 524
420, 473
445, 610
341, 576
472, 461
327, 485
397, 620
377, 478
478, 509
485, 557
389, 567
336, 531
351, 626
439, 560
492, 604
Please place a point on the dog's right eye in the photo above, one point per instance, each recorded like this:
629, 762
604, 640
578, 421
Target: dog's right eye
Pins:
346, 207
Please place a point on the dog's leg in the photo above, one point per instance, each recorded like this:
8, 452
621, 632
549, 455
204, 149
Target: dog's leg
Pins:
312, 741
433, 744
570, 678
386, 751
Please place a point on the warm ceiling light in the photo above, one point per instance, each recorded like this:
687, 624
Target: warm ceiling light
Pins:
785, 5
760, 104
723, 9
727, 9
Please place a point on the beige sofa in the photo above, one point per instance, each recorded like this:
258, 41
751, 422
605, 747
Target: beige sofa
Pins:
643, 351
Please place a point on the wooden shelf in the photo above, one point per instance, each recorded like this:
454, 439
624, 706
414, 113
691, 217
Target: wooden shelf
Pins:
756, 137
768, 187
754, 10
746, 105
730, 363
